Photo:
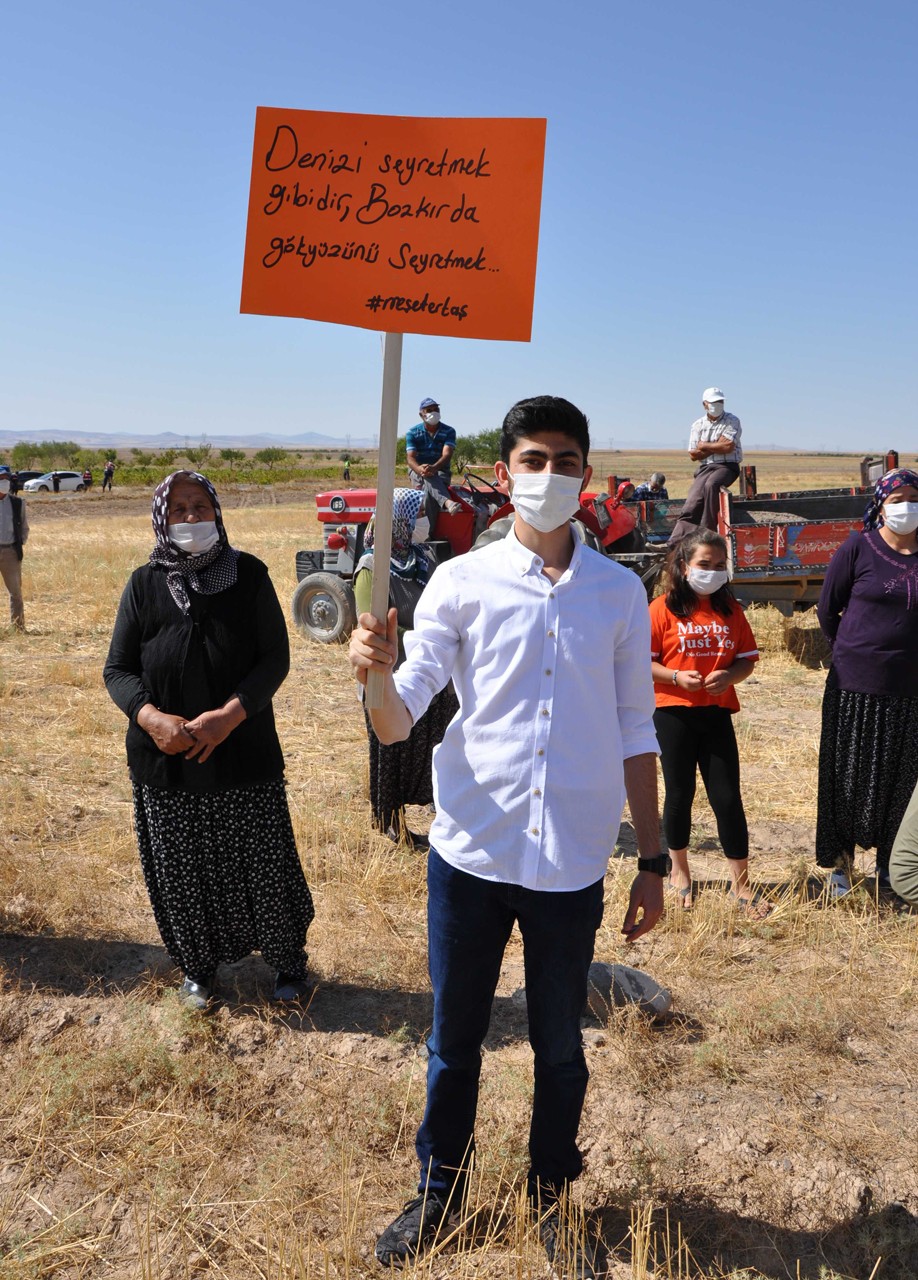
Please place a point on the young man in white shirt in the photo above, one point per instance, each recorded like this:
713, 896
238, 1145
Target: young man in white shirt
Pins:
547, 644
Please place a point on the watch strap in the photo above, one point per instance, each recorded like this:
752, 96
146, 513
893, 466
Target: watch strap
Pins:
661, 864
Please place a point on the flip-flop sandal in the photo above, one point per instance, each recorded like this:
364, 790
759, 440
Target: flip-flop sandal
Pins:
685, 892
756, 906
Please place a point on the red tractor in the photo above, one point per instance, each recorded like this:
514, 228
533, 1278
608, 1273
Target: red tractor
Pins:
323, 602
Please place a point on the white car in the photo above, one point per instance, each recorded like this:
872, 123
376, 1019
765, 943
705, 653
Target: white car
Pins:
56, 482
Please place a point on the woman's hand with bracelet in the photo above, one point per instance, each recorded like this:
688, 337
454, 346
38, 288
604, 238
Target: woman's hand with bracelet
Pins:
689, 681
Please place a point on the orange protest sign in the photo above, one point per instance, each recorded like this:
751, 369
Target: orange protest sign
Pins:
399, 223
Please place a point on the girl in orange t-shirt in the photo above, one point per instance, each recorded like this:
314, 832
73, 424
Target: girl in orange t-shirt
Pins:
701, 648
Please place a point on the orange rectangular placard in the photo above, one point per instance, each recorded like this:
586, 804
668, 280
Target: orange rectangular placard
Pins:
399, 223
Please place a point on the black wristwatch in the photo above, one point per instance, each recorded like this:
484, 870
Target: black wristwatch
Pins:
661, 864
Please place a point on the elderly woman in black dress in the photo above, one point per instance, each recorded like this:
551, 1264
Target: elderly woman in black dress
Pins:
868, 754
198, 651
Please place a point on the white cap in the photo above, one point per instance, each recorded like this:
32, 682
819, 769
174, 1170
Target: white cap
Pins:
712, 394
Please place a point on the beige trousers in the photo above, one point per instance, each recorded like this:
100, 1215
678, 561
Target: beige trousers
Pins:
11, 572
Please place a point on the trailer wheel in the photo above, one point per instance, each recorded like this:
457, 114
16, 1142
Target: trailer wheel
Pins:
323, 608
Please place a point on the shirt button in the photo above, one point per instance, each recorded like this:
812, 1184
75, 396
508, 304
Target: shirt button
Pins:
551, 595
552, 634
535, 831
545, 711
537, 792
540, 752
548, 671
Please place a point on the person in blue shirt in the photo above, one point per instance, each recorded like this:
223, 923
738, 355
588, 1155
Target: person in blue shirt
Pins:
429, 447
652, 490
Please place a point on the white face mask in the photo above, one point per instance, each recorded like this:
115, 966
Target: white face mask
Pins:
704, 582
4, 484
545, 499
901, 517
194, 538
432, 419
716, 409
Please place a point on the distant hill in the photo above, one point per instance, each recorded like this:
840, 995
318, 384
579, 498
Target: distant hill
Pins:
304, 440
172, 440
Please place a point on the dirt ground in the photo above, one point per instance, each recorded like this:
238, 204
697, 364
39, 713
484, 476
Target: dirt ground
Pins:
766, 1127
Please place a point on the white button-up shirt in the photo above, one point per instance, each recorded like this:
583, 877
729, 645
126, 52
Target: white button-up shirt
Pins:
726, 427
555, 692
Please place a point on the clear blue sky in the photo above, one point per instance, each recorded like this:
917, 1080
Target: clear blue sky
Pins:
730, 197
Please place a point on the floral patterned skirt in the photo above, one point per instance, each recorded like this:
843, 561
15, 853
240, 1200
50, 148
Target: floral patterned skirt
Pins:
224, 876
868, 767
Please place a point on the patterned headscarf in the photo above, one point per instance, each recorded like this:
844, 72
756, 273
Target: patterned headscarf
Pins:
406, 561
208, 573
886, 485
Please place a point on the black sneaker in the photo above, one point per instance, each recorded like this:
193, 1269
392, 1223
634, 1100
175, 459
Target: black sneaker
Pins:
413, 1230
571, 1254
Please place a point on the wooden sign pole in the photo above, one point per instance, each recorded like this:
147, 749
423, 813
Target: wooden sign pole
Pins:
385, 483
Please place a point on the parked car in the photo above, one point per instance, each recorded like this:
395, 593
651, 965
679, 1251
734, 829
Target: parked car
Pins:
56, 481
20, 477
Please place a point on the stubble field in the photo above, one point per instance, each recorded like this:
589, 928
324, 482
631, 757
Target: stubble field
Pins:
767, 1128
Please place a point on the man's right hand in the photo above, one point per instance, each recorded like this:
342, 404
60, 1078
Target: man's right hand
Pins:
374, 645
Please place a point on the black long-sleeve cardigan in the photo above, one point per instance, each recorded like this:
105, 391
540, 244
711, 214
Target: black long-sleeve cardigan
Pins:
232, 642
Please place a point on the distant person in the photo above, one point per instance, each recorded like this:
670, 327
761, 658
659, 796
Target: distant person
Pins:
652, 490
714, 443
14, 532
56, 481
108, 474
868, 750
429, 447
87, 478
198, 651
347, 469
701, 648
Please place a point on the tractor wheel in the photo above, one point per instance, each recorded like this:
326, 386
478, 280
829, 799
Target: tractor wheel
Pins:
324, 609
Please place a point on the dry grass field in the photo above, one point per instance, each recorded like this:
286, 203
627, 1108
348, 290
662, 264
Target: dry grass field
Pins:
767, 1128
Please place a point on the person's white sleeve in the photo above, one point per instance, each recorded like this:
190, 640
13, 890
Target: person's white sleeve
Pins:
633, 679
430, 647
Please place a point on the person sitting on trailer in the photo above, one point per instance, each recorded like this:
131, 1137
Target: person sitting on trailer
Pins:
714, 443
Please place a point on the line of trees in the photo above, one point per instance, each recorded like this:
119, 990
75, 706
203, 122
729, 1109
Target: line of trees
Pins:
138, 466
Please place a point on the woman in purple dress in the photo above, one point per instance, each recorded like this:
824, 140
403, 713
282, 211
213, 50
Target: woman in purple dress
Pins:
868, 752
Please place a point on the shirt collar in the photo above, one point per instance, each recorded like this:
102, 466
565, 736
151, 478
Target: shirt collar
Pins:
526, 561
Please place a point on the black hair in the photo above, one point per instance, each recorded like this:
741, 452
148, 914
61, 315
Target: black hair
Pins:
539, 414
681, 600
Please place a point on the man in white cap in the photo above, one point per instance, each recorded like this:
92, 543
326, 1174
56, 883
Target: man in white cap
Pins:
714, 444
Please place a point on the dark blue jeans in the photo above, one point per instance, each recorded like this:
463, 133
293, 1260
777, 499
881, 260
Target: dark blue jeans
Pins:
469, 921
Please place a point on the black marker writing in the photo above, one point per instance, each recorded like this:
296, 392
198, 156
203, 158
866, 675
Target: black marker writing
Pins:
329, 200
395, 303
406, 168
284, 152
308, 252
421, 262
379, 206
